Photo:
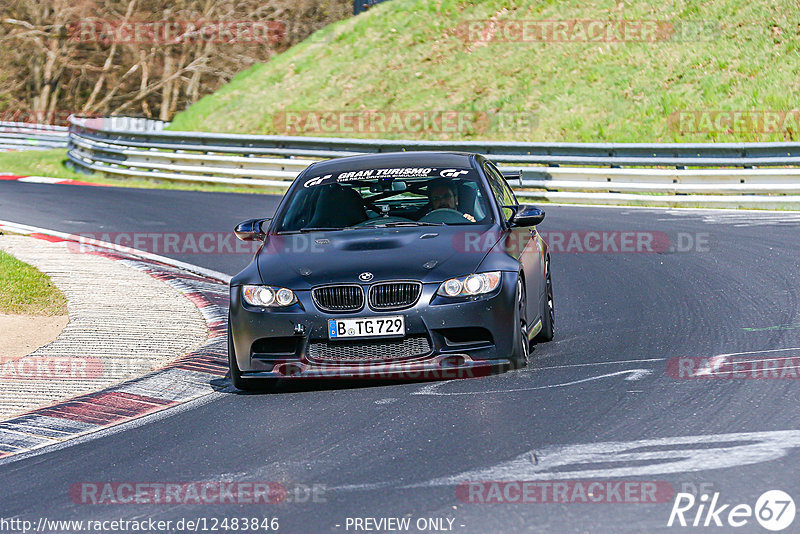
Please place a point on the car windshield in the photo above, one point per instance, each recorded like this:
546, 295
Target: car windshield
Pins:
370, 198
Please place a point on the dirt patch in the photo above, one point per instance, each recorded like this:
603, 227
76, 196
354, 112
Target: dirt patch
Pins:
22, 334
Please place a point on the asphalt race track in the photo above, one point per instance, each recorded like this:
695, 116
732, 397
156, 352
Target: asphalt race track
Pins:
597, 404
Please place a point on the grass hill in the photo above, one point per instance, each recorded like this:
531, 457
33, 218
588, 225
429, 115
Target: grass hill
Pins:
586, 80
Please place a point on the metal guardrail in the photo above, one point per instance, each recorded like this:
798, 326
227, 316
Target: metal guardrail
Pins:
141, 148
28, 136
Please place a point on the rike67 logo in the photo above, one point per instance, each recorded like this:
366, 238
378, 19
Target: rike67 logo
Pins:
774, 510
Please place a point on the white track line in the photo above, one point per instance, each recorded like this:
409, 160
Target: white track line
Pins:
432, 389
662, 208
26, 229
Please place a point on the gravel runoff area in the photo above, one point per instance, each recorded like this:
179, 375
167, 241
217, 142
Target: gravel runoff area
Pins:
122, 323
22, 334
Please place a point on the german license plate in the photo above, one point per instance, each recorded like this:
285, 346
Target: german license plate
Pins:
394, 325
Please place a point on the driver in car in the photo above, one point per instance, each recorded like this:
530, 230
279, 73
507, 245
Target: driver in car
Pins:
443, 194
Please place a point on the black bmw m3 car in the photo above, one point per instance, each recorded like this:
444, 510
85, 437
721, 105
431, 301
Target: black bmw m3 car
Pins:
404, 265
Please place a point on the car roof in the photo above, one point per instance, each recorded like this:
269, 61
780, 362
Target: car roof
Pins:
393, 159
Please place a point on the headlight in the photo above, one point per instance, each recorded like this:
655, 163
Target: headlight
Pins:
474, 284
266, 296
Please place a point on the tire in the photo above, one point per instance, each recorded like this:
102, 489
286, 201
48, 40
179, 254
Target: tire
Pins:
547, 333
519, 358
236, 375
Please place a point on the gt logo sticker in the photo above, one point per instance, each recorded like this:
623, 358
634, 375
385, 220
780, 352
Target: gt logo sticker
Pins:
316, 181
452, 173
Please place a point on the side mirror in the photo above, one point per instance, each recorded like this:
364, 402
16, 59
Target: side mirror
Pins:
527, 215
250, 230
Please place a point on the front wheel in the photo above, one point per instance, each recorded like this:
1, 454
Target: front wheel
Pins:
547, 333
520, 357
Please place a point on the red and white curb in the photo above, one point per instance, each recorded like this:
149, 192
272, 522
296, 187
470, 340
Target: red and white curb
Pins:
187, 378
44, 180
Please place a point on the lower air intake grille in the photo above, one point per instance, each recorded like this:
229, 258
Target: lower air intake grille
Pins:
343, 298
368, 350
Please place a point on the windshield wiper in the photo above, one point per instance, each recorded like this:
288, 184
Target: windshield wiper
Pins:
360, 227
404, 223
307, 230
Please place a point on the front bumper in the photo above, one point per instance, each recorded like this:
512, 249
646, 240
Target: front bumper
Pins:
472, 337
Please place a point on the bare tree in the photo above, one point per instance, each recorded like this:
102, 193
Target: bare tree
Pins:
153, 57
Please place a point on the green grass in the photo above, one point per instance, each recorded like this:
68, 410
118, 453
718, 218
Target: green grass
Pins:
24, 290
51, 163
39, 163
412, 55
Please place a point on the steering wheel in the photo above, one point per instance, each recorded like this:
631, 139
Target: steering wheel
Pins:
371, 206
444, 215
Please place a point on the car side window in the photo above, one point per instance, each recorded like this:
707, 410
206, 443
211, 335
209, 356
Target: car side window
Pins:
509, 193
502, 192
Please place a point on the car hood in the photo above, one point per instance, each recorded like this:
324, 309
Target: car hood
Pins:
427, 253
